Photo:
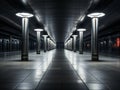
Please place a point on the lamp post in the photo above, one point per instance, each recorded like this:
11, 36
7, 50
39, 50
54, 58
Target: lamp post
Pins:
38, 39
81, 39
74, 42
94, 34
45, 39
25, 34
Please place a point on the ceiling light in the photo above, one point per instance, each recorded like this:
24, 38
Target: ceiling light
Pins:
81, 29
38, 30
24, 14
96, 15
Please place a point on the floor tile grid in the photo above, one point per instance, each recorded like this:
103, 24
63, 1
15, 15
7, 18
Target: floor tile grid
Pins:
77, 74
23, 80
44, 74
108, 88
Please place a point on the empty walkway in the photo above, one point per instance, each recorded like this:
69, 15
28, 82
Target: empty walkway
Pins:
59, 70
61, 75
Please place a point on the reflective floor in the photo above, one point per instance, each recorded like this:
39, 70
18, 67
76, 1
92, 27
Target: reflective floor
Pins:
23, 75
58, 70
101, 75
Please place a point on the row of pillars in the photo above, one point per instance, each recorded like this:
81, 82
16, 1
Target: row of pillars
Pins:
25, 37
71, 42
48, 43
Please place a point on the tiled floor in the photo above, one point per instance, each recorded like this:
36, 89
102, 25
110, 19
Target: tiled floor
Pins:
102, 75
23, 75
61, 75
68, 70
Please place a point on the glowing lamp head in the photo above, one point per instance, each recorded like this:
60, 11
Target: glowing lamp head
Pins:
96, 15
81, 29
74, 35
44, 35
24, 15
38, 30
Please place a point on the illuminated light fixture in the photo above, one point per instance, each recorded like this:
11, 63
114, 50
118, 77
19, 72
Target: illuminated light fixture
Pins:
38, 30
38, 39
24, 15
94, 34
25, 34
96, 15
81, 30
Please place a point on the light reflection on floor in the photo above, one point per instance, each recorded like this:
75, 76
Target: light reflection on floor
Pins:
25, 74
22, 75
96, 75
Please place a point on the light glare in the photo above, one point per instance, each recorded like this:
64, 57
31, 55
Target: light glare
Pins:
96, 15
25, 15
81, 30
38, 30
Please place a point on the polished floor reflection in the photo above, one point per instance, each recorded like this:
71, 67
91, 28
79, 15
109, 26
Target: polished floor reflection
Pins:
59, 70
23, 75
100, 75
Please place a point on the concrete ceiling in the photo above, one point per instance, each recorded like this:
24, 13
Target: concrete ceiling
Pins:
60, 17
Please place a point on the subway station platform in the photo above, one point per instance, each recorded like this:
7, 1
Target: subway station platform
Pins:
72, 44
59, 70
